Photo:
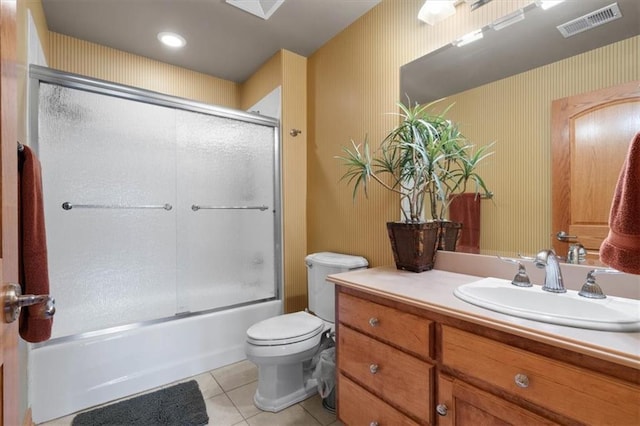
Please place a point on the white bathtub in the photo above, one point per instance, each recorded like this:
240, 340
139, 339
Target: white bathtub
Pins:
74, 374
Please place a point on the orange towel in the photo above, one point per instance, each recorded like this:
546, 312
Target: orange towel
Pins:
621, 248
34, 271
465, 208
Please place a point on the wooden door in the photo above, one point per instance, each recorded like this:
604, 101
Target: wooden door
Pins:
9, 392
591, 133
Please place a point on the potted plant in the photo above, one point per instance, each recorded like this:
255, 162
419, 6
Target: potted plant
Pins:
426, 161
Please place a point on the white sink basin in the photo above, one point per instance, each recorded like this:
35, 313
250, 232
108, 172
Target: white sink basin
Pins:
610, 314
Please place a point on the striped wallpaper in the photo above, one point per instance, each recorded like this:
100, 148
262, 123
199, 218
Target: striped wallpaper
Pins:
285, 68
354, 84
516, 114
85, 58
290, 71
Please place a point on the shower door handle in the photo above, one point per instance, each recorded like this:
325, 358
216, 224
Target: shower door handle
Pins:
13, 300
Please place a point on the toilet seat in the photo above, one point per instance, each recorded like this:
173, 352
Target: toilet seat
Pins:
285, 329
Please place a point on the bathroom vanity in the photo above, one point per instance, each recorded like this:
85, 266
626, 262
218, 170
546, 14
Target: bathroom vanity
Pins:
410, 352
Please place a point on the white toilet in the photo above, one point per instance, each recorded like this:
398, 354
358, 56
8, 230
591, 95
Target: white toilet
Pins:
282, 347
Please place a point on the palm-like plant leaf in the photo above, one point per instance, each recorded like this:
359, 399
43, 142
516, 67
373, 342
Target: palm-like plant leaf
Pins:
426, 155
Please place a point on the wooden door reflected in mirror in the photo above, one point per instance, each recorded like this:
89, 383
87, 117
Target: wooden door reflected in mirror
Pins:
591, 133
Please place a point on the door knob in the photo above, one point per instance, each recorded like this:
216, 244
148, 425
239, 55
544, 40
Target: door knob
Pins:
13, 301
563, 236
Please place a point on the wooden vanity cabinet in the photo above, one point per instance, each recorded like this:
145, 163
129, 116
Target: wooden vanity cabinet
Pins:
387, 352
399, 364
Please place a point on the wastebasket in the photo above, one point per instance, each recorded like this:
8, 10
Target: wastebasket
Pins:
325, 376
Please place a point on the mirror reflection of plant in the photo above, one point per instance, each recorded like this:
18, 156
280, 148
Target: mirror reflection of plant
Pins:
425, 156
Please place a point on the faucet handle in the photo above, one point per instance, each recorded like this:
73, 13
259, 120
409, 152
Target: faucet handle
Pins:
590, 288
523, 257
521, 279
576, 254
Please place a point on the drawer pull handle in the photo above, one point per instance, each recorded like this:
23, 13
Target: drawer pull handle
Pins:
373, 368
373, 424
373, 322
441, 409
522, 380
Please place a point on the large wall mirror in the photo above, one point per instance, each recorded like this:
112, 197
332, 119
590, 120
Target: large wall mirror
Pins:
503, 87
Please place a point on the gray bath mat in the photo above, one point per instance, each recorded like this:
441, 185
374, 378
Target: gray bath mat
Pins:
179, 405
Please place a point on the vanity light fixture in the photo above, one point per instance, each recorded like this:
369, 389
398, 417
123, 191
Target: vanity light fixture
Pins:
172, 39
474, 4
469, 38
548, 4
507, 20
434, 11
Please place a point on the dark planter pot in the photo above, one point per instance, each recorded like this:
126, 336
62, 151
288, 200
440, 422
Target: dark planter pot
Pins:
449, 234
414, 245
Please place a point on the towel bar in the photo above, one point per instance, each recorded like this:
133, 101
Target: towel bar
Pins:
197, 207
68, 206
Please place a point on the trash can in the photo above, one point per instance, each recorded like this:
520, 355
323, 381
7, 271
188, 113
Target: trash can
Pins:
325, 375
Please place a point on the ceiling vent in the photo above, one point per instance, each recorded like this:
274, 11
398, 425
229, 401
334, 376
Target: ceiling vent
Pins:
590, 20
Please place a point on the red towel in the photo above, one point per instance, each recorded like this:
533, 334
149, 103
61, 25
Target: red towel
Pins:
621, 248
34, 272
465, 208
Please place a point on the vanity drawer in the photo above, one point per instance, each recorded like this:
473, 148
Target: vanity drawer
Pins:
402, 329
572, 391
399, 378
359, 407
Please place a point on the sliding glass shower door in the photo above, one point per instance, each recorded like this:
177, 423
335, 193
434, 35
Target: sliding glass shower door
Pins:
225, 198
153, 210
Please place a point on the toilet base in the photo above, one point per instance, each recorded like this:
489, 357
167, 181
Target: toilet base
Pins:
275, 405
282, 385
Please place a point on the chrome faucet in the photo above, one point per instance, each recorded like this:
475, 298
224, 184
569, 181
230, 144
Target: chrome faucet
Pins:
576, 254
548, 260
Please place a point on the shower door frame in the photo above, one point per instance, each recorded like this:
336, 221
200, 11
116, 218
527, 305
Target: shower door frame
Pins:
39, 74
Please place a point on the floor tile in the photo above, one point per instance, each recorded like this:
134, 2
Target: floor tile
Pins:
242, 398
242, 423
207, 384
236, 375
314, 406
222, 412
292, 416
337, 423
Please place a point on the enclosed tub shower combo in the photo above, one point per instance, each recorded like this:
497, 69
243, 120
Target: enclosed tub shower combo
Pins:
163, 224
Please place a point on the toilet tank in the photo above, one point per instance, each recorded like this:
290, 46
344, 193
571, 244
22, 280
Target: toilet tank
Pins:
322, 292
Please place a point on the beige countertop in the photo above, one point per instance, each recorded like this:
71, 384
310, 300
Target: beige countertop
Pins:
433, 290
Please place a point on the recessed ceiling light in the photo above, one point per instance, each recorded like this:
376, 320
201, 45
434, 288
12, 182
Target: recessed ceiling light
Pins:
548, 4
172, 39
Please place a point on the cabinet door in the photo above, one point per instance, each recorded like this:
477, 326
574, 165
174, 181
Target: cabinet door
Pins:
466, 405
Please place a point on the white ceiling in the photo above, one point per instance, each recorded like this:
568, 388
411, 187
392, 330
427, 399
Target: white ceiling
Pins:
222, 40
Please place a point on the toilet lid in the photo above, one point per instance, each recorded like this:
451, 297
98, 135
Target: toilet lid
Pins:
285, 329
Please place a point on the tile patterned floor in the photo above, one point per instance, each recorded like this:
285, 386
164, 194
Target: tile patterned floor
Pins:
228, 395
